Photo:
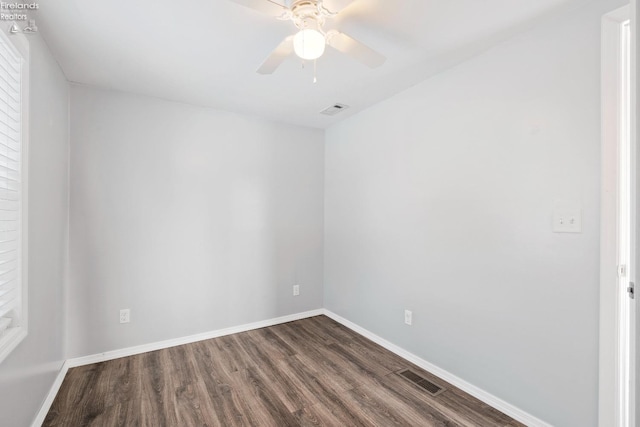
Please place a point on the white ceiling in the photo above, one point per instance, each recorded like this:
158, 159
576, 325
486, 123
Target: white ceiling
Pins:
205, 52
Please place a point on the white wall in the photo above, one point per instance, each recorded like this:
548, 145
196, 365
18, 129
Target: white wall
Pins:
440, 200
27, 374
195, 219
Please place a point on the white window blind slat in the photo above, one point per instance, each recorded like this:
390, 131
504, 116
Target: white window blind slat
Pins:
8, 265
9, 72
8, 106
9, 81
7, 184
8, 254
10, 178
9, 156
9, 206
7, 123
10, 113
10, 187
7, 279
8, 215
8, 236
11, 297
14, 119
5, 88
8, 227
13, 115
9, 139
9, 143
7, 275
10, 170
4, 291
8, 195
8, 245
9, 165
8, 299
8, 307
9, 69
6, 167
6, 283
8, 54
12, 89
9, 302
8, 64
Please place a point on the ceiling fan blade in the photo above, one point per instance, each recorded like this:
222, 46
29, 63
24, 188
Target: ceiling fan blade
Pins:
265, 6
355, 49
276, 58
336, 6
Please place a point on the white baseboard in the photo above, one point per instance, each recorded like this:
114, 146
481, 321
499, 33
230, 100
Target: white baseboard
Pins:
478, 393
491, 400
131, 351
48, 401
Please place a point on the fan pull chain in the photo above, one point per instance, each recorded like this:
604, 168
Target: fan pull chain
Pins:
315, 69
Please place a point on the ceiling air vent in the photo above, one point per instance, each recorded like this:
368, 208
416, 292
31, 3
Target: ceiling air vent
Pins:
431, 388
334, 109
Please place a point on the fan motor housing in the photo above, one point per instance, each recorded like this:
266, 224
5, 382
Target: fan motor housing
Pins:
308, 14
303, 8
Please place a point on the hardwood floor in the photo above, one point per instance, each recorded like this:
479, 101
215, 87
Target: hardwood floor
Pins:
306, 373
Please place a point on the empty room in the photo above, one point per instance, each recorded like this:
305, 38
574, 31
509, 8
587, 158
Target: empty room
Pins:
318, 213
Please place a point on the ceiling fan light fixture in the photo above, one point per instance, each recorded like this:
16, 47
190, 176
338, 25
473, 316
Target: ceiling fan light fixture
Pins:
309, 44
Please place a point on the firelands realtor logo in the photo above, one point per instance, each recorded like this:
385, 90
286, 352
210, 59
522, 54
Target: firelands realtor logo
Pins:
17, 13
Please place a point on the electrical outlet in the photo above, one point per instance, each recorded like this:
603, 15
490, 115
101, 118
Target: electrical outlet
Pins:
125, 315
296, 290
408, 317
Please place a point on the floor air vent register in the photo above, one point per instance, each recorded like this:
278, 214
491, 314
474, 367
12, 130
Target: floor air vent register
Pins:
428, 386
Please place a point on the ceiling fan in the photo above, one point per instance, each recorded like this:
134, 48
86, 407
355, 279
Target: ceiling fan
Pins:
310, 40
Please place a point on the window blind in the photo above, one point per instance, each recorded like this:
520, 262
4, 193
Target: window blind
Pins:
10, 191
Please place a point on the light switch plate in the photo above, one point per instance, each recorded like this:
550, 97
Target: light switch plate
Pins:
567, 221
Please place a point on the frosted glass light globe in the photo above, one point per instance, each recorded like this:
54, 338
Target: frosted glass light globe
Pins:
309, 44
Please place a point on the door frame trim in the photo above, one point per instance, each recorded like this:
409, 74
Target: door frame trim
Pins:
609, 398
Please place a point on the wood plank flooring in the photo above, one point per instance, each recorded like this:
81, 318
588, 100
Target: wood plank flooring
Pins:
312, 372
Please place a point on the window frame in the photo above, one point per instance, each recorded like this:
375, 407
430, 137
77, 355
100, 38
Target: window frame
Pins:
19, 44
